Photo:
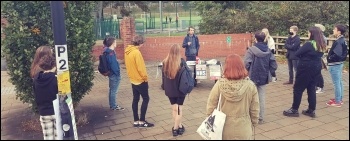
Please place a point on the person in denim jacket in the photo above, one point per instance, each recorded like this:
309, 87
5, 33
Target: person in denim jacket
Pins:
114, 76
191, 44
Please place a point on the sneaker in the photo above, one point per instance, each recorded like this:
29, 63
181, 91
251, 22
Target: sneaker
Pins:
136, 123
320, 90
309, 113
118, 108
145, 124
333, 103
274, 79
175, 132
291, 113
341, 102
182, 129
261, 121
287, 83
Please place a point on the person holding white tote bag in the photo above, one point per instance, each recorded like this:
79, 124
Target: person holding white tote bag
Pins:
239, 100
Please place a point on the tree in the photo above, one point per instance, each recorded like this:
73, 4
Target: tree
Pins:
277, 16
30, 27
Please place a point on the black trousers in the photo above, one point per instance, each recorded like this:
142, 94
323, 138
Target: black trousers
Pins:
320, 82
137, 91
307, 76
292, 66
192, 58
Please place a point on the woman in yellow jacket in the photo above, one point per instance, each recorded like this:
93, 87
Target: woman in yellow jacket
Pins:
239, 101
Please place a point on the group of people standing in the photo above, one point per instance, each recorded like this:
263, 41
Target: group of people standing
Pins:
242, 85
306, 61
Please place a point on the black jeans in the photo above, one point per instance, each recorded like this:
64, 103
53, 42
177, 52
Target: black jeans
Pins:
138, 90
192, 58
292, 65
308, 73
320, 82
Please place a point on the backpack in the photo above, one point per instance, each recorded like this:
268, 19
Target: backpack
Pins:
103, 66
185, 79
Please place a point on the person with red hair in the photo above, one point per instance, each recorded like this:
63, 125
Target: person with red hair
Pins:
239, 100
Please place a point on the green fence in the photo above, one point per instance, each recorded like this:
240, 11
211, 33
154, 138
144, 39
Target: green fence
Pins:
107, 28
140, 27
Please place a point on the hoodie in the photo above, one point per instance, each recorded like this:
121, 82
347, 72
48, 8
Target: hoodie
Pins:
240, 103
135, 65
260, 63
45, 90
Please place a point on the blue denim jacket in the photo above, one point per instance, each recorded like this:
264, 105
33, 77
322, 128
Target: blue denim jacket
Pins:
190, 51
112, 61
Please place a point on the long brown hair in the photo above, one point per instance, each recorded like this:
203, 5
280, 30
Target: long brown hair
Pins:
234, 68
40, 52
317, 35
171, 64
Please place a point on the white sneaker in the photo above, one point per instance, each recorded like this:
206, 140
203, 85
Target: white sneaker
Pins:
319, 90
274, 79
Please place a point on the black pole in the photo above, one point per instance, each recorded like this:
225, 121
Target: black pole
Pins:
58, 25
65, 121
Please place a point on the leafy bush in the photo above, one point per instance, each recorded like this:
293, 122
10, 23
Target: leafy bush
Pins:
30, 27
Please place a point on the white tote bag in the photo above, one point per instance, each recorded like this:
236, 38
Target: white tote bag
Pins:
211, 128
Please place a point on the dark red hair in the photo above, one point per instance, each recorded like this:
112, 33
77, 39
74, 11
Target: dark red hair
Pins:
234, 68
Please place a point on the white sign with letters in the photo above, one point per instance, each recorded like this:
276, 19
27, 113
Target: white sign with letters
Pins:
201, 72
61, 58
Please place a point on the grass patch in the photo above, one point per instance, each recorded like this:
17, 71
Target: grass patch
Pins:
281, 59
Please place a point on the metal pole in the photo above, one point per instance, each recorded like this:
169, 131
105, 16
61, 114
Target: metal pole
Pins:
65, 121
161, 15
177, 18
190, 15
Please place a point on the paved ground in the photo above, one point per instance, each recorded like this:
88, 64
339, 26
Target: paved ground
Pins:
331, 123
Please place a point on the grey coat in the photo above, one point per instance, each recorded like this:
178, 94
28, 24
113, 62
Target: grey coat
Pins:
260, 65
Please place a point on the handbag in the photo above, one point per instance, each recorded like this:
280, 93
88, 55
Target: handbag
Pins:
212, 127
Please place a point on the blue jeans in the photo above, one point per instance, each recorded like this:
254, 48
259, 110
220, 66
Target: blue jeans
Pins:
114, 81
336, 74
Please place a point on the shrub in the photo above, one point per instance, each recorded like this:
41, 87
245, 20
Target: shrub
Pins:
29, 27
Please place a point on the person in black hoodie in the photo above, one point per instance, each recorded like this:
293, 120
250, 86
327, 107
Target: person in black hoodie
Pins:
292, 45
171, 66
260, 63
308, 71
45, 90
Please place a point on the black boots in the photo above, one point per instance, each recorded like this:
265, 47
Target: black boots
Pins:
308, 112
179, 131
175, 132
291, 113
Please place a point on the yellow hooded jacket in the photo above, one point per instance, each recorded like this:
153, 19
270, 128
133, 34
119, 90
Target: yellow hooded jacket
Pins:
135, 65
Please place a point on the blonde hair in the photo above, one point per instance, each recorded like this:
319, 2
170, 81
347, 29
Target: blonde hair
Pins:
295, 28
171, 64
321, 27
267, 34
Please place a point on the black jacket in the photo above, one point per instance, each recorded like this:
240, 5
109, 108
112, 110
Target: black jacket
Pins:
308, 53
45, 90
171, 85
338, 51
292, 45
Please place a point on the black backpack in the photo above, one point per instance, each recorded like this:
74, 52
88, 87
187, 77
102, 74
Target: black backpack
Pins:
185, 79
103, 66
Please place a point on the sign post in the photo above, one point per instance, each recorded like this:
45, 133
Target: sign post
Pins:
228, 40
65, 119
